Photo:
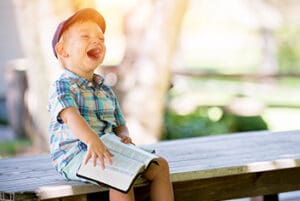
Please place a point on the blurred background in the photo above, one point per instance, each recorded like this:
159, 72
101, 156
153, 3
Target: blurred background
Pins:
181, 68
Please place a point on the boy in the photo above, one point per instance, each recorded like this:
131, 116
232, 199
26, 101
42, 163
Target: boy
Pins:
82, 108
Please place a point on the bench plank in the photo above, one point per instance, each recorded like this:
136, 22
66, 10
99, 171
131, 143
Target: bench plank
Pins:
208, 168
199, 158
236, 186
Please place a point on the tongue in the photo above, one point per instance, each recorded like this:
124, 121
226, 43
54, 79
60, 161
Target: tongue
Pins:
94, 53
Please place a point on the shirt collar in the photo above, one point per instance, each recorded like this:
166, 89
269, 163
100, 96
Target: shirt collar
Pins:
98, 80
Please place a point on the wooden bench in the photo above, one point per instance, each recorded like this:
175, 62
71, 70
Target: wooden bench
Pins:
207, 168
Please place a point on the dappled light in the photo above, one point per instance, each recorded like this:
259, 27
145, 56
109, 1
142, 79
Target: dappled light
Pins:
244, 106
214, 67
215, 113
273, 165
211, 86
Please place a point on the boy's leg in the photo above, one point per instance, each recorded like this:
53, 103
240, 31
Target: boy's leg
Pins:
160, 186
115, 195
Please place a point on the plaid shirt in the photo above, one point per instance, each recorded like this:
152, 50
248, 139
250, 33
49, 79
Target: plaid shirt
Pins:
95, 101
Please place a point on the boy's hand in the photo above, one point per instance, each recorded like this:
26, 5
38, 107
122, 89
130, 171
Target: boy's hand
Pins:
122, 132
80, 128
98, 151
125, 139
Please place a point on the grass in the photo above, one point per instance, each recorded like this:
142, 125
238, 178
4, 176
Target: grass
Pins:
14, 147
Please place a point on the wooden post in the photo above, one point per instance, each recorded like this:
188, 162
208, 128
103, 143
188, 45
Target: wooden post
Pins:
16, 80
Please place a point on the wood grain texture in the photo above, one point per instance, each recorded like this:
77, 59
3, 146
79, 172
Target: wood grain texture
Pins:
236, 186
223, 167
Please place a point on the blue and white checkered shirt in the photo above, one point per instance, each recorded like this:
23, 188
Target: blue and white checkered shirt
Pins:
95, 101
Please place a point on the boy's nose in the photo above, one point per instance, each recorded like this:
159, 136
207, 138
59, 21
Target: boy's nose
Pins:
97, 41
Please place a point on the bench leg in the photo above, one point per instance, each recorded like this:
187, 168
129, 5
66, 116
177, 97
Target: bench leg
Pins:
274, 197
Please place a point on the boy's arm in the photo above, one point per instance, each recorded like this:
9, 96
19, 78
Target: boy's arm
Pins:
80, 128
122, 132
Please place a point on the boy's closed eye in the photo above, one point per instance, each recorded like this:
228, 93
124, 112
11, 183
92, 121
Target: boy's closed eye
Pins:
84, 36
101, 38
87, 36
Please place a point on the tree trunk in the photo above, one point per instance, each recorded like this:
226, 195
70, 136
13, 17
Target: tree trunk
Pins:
152, 30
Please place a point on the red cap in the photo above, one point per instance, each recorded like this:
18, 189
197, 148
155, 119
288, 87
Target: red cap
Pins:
85, 14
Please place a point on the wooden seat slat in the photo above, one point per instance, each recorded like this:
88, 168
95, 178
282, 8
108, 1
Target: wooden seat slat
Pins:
253, 160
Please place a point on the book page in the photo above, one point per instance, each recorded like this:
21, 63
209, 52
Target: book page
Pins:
124, 165
117, 179
128, 161
128, 150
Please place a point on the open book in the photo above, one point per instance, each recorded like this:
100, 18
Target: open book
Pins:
128, 162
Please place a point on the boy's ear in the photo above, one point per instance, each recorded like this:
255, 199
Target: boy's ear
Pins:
59, 48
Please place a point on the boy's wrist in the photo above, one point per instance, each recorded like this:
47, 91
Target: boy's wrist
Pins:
92, 138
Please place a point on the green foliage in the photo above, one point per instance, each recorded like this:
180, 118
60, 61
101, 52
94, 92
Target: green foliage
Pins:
289, 50
13, 147
3, 121
194, 124
198, 124
236, 123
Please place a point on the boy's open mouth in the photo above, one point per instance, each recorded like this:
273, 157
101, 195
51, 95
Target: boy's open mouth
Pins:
94, 53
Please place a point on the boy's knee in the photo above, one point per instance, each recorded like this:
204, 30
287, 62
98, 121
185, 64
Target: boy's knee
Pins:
162, 168
157, 170
163, 164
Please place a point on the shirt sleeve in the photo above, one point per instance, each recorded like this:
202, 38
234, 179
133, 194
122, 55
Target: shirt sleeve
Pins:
60, 97
118, 114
